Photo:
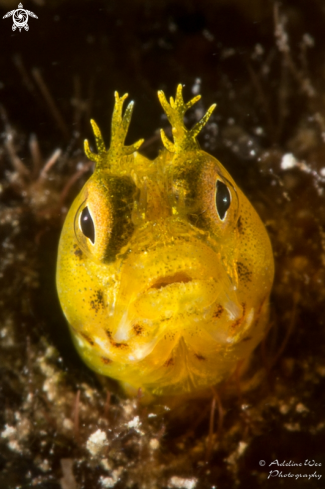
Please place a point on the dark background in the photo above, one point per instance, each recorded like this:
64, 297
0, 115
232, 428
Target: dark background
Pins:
262, 62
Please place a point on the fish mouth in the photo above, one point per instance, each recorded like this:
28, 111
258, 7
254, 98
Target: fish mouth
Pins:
173, 295
178, 277
183, 281
169, 292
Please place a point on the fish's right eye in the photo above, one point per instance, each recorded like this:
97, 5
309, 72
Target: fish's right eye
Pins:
223, 199
87, 225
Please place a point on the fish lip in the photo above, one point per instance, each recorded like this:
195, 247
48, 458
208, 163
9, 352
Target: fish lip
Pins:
165, 280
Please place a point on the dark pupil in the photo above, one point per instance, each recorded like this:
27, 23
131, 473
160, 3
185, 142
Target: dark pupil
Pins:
222, 199
87, 225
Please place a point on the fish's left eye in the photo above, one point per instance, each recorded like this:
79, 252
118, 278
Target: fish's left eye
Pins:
87, 225
223, 199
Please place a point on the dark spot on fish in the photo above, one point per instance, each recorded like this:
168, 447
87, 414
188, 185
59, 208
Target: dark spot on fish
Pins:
77, 251
218, 311
240, 320
121, 201
119, 345
244, 308
87, 338
199, 357
240, 226
97, 301
108, 333
137, 328
247, 338
114, 343
169, 362
244, 274
106, 360
236, 324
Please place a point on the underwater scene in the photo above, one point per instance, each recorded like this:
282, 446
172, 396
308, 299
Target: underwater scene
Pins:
162, 232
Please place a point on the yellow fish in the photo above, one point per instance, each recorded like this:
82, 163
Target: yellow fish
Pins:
164, 267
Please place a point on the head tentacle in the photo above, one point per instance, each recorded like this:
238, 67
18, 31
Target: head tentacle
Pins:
114, 156
184, 139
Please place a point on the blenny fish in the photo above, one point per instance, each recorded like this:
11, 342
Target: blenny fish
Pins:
164, 268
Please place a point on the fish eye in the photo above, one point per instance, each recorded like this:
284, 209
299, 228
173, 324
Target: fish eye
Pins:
87, 225
223, 199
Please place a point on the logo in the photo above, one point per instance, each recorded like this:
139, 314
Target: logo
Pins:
20, 18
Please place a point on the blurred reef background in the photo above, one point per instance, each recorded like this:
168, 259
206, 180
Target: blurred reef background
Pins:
263, 63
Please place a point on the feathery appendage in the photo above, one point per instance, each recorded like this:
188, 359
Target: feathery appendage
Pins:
184, 139
113, 157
